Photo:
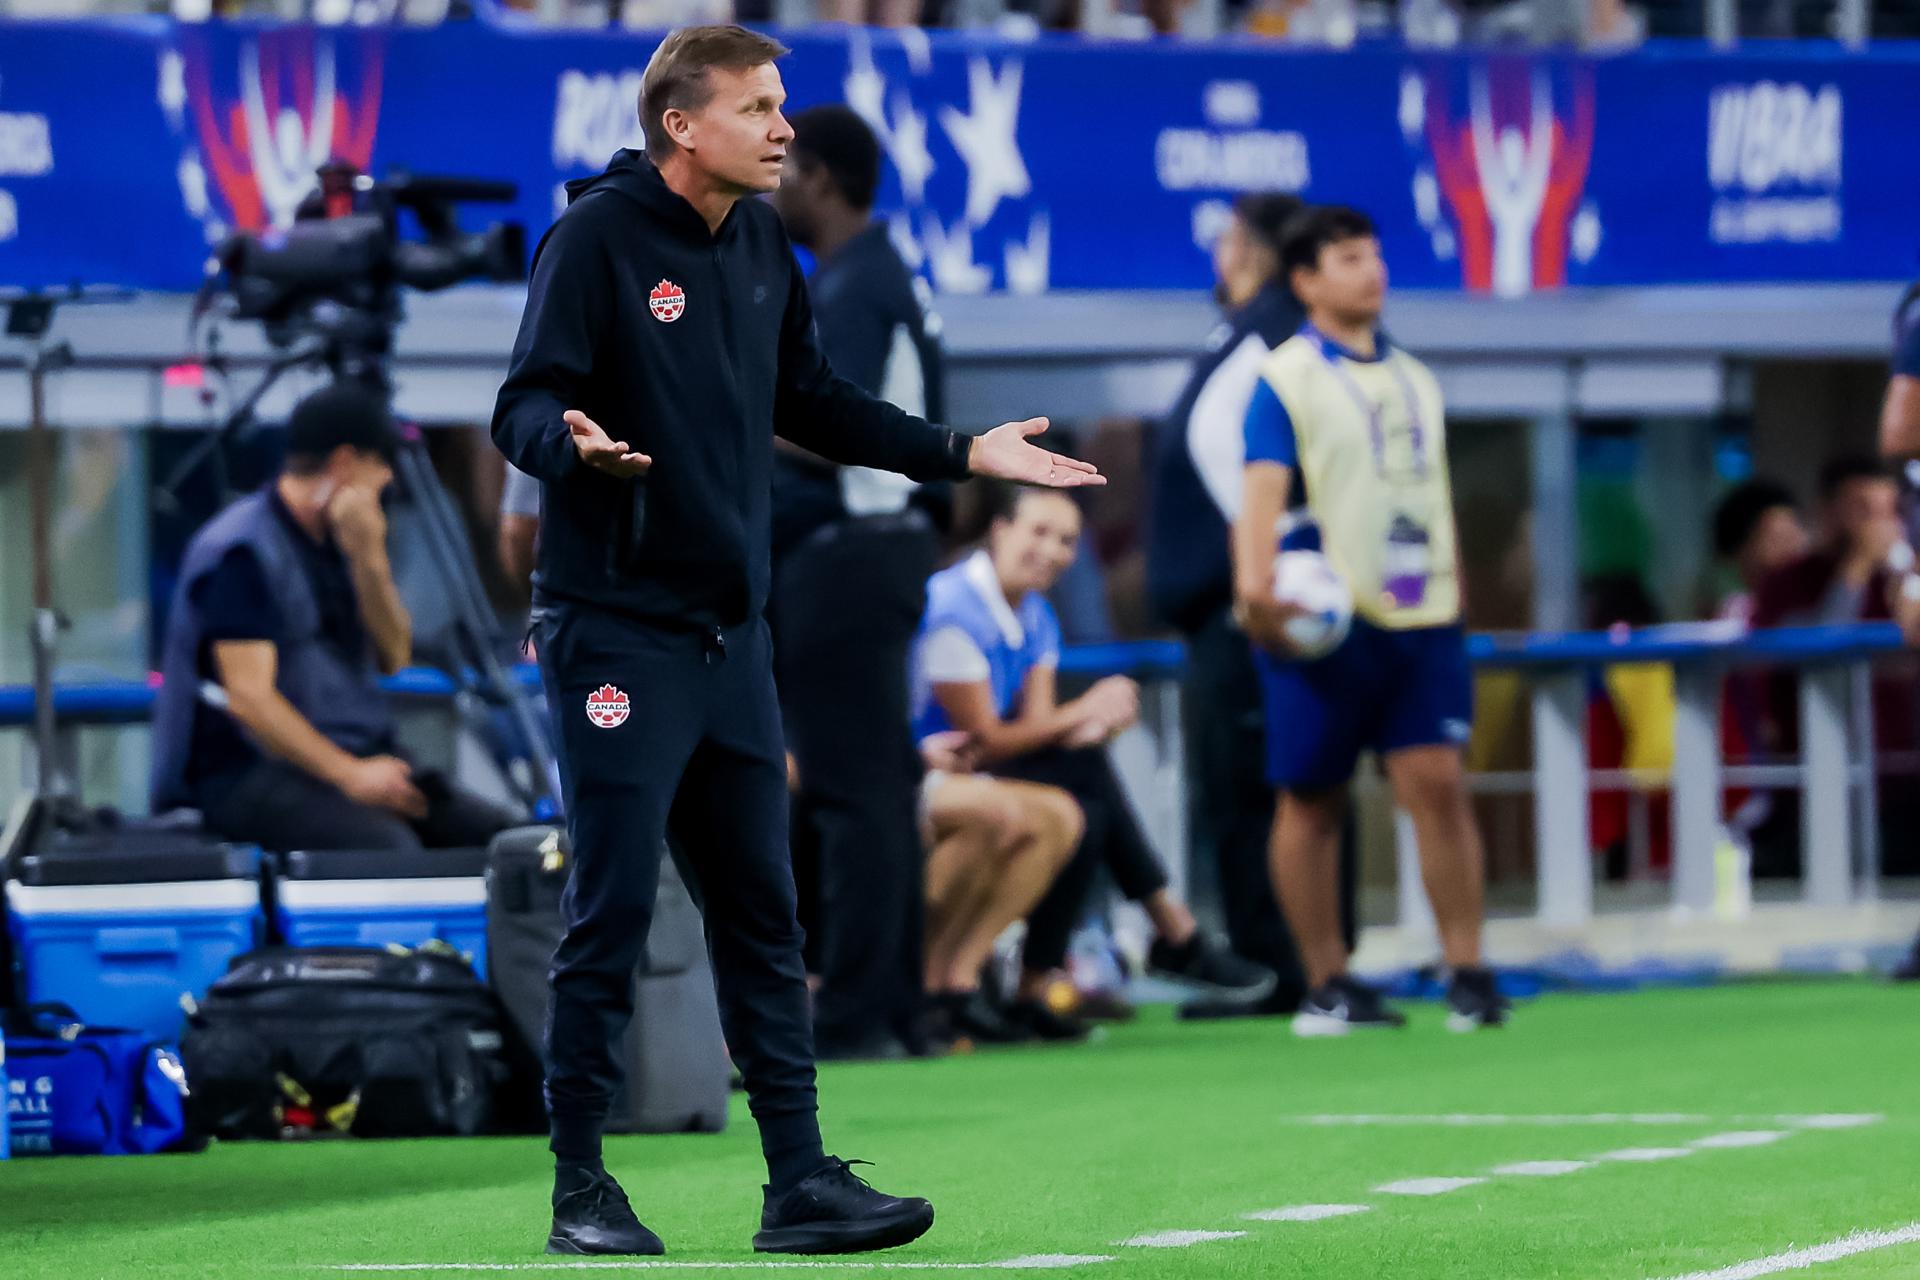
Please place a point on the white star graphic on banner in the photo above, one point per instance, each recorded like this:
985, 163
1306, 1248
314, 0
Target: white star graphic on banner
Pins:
987, 140
950, 258
172, 86
865, 89
907, 148
918, 48
1413, 106
900, 231
1027, 264
1586, 233
1426, 197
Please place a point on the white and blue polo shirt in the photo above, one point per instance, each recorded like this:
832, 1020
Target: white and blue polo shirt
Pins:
971, 632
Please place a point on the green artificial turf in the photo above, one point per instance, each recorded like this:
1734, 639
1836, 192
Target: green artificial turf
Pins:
1159, 1126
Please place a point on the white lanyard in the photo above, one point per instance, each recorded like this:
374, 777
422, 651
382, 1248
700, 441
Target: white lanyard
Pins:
1374, 413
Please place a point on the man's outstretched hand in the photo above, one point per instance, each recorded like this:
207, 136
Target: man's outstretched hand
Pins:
1006, 454
600, 452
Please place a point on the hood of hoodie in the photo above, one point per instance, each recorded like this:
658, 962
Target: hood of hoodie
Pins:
631, 174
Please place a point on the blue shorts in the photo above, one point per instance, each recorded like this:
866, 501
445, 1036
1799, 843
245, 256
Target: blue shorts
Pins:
1380, 690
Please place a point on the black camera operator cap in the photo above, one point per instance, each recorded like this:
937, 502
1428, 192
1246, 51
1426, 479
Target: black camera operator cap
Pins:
343, 413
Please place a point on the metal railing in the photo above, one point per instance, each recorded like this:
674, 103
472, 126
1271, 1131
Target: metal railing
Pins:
1835, 771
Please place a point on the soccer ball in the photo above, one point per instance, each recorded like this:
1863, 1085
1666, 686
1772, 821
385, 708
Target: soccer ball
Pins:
1308, 579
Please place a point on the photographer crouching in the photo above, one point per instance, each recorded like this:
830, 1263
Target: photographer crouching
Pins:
271, 720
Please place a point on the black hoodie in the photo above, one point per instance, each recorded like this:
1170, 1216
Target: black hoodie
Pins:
695, 348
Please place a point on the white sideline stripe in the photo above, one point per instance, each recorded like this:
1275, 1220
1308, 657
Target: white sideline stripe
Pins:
1742, 1138
1426, 1186
1800, 1259
1306, 1212
1542, 1168
1840, 1120
1028, 1262
1177, 1239
1645, 1155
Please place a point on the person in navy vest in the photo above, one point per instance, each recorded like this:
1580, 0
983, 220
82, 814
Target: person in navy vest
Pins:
1196, 493
270, 719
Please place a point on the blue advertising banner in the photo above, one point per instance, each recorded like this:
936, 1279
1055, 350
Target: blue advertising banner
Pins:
126, 148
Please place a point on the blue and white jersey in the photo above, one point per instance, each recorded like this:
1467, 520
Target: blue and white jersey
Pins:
971, 633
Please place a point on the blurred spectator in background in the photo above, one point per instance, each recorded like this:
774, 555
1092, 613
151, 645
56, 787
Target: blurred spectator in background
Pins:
869, 13
986, 661
270, 719
1852, 574
994, 847
852, 550
1756, 529
1196, 494
1845, 577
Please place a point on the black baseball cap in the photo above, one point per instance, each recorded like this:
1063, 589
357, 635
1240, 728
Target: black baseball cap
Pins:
348, 413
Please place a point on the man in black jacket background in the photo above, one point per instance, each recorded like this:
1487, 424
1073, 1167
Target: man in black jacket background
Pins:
852, 551
667, 339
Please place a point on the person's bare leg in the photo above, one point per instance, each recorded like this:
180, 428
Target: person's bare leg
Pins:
1043, 842
961, 857
1430, 784
1304, 854
976, 824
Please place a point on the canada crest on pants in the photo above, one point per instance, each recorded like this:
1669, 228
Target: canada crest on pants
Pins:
608, 707
668, 300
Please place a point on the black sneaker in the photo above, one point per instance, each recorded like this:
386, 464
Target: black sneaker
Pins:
833, 1210
970, 1015
1342, 1005
591, 1215
1201, 961
1474, 1001
1042, 1023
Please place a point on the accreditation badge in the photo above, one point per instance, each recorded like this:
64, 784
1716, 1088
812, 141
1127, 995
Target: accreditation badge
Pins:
1407, 564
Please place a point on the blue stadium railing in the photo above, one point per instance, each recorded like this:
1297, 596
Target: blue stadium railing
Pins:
1835, 774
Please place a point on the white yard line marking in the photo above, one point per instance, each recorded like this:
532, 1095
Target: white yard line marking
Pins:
1645, 1155
1842, 1121
1426, 1186
1656, 1119
1306, 1212
1740, 1138
1028, 1262
1177, 1239
1800, 1259
1478, 1120
1542, 1168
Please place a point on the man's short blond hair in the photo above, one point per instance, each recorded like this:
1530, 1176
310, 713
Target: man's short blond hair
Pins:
676, 76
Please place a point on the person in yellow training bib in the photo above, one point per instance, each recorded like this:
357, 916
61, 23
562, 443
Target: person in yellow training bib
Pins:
1346, 451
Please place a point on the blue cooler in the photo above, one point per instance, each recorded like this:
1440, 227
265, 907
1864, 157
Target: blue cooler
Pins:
121, 930
379, 897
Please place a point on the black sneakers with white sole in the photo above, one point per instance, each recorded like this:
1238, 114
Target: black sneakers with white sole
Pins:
1474, 1001
1341, 1005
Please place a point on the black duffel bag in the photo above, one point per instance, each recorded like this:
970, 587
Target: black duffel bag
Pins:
377, 1043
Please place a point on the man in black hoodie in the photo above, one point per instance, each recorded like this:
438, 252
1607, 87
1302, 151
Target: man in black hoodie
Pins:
667, 319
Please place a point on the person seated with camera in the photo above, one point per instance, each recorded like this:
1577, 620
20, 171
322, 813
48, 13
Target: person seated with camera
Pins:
271, 720
986, 660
